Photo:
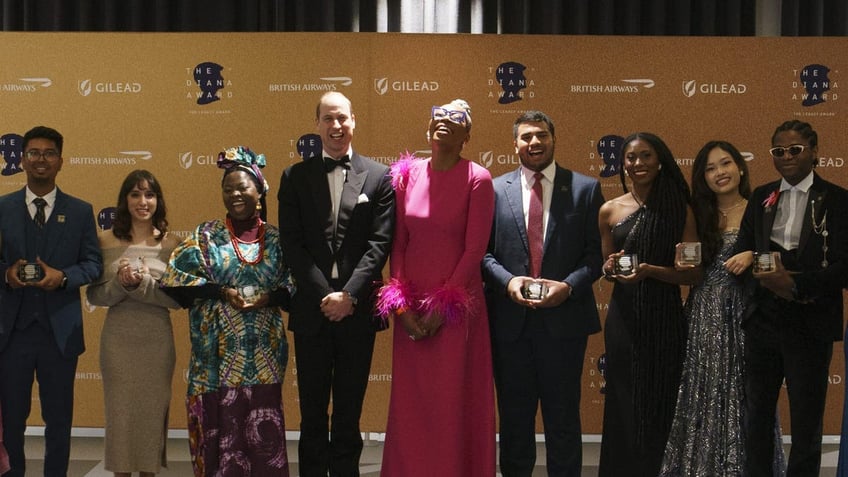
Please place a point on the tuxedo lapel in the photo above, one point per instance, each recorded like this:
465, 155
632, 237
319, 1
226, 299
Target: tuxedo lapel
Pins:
320, 189
815, 203
769, 213
515, 203
350, 195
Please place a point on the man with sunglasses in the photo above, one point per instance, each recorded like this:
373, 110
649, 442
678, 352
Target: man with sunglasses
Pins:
49, 250
798, 228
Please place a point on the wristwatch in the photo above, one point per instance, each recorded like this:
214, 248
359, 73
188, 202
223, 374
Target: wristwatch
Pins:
64, 283
351, 297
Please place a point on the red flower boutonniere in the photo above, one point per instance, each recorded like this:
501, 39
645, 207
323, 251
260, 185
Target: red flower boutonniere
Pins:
771, 199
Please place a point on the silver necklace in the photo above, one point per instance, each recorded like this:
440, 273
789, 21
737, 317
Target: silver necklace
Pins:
820, 228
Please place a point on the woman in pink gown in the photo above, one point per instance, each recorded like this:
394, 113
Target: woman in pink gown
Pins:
441, 415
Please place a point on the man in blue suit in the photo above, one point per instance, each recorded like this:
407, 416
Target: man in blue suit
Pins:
49, 250
544, 235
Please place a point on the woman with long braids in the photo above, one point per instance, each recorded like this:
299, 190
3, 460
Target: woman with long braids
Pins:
645, 332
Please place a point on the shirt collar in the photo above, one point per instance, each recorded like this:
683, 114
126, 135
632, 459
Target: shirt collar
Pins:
803, 186
549, 173
50, 197
349, 152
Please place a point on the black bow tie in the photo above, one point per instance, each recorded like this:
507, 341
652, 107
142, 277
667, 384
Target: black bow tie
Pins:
330, 164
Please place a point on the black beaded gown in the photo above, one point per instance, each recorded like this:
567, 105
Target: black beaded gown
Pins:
642, 370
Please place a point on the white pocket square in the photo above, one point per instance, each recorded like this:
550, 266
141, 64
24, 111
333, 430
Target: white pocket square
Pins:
362, 199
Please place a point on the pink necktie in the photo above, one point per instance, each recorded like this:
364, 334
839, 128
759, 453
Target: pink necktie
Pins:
534, 227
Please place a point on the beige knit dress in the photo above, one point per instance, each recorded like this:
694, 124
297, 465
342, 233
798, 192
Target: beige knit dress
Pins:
136, 358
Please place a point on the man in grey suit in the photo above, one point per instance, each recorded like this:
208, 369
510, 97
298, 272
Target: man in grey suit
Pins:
336, 221
544, 255
49, 250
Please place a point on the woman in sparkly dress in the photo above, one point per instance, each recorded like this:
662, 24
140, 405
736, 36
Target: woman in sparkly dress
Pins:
231, 275
706, 436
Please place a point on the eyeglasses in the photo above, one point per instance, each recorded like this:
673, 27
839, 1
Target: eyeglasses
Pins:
793, 150
48, 154
458, 117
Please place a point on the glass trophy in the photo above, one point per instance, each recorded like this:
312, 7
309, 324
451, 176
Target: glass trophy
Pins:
534, 290
764, 262
688, 254
249, 293
626, 264
30, 272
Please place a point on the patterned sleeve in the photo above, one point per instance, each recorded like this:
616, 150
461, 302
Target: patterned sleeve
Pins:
187, 276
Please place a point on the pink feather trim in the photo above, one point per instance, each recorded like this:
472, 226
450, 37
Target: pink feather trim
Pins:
453, 303
393, 295
400, 170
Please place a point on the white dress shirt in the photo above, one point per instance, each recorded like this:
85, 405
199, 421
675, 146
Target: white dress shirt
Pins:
791, 207
50, 198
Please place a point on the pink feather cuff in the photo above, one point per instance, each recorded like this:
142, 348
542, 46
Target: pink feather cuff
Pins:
452, 303
400, 170
393, 296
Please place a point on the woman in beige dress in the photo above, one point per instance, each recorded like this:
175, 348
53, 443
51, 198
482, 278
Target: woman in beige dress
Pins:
137, 344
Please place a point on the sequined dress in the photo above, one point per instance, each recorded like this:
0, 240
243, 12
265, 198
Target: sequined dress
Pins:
706, 436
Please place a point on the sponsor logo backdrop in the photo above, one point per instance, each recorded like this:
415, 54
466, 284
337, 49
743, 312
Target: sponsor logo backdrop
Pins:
170, 102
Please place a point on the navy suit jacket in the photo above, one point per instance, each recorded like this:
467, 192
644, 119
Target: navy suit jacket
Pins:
572, 253
71, 247
820, 287
360, 246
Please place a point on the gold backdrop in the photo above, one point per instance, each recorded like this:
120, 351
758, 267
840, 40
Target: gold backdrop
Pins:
170, 102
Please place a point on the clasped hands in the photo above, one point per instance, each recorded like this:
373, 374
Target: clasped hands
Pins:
130, 276
337, 305
640, 272
235, 300
419, 327
557, 292
51, 280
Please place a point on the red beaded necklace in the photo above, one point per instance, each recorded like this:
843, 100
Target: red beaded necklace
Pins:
236, 241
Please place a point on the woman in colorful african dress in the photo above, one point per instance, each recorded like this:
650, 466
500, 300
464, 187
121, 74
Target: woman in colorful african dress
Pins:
231, 275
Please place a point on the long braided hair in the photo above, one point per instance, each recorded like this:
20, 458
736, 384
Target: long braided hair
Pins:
659, 329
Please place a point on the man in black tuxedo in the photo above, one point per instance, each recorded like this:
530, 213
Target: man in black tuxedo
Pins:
49, 250
539, 343
336, 220
795, 313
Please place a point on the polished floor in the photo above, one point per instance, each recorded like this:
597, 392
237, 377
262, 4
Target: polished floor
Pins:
87, 452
